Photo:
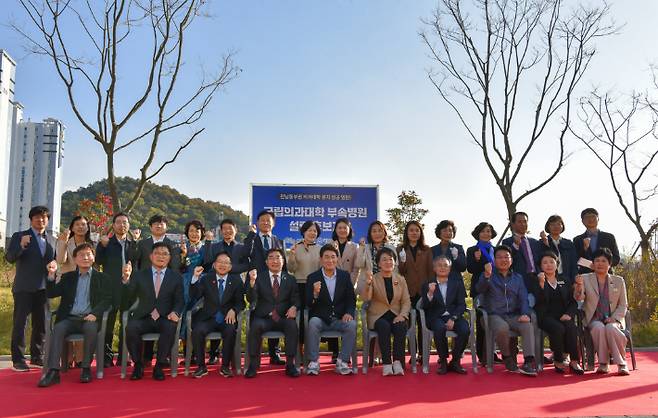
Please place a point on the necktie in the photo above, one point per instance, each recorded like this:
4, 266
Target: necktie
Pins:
158, 281
275, 290
266, 242
527, 253
219, 316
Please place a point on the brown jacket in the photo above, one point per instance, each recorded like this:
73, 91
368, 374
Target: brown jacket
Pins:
376, 295
347, 261
416, 271
617, 296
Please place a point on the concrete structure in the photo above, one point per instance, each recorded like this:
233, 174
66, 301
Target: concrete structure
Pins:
35, 175
8, 110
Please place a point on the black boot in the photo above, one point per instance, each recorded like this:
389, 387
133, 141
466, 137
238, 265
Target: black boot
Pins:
51, 378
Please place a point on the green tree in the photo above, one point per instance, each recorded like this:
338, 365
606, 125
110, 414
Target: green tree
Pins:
408, 209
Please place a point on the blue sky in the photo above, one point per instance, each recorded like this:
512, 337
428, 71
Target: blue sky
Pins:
337, 93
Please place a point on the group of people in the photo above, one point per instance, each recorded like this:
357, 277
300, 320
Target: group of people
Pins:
158, 280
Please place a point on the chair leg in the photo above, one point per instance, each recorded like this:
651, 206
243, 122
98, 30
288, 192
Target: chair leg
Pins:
124, 354
64, 360
100, 354
632, 350
427, 344
364, 353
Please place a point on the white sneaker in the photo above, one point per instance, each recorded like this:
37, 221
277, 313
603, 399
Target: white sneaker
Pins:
387, 370
398, 370
313, 368
342, 367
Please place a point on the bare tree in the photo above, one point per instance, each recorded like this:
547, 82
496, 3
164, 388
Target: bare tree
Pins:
622, 133
126, 40
508, 71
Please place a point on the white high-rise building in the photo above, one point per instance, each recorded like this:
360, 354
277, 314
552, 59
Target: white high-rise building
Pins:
7, 113
35, 175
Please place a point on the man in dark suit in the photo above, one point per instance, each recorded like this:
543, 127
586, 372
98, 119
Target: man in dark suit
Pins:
86, 294
444, 302
525, 250
31, 250
111, 255
332, 306
142, 251
223, 294
235, 250
141, 254
592, 239
276, 297
160, 293
259, 240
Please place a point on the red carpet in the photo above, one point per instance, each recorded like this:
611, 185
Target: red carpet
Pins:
328, 395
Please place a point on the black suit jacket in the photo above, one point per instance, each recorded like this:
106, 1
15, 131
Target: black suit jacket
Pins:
476, 268
568, 256
109, 259
455, 302
239, 257
207, 288
140, 286
142, 251
605, 239
542, 306
100, 293
256, 253
323, 307
31, 269
261, 294
459, 263
519, 263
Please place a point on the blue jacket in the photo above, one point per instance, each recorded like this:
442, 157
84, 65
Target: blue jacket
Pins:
459, 263
503, 295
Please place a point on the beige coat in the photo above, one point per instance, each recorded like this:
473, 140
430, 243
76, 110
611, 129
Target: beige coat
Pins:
617, 296
304, 261
379, 305
347, 261
416, 271
64, 255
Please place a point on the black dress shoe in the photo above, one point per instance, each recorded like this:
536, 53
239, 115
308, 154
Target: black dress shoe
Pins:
548, 360
85, 375
51, 378
275, 360
226, 371
251, 372
200, 372
212, 359
138, 372
456, 367
497, 360
20, 367
158, 374
37, 362
334, 357
292, 371
443, 367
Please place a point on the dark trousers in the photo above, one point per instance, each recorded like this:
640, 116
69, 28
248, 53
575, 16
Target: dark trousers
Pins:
385, 327
109, 335
563, 337
461, 328
479, 337
33, 304
285, 325
302, 299
66, 327
419, 328
137, 327
203, 328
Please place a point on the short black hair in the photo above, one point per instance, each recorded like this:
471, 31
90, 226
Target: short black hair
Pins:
160, 245
88, 233
444, 224
83, 246
405, 235
550, 254
39, 210
329, 247
480, 227
223, 252
265, 212
229, 222
275, 250
157, 218
385, 250
381, 224
603, 252
307, 225
334, 235
551, 219
587, 211
120, 214
516, 215
502, 248
194, 223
